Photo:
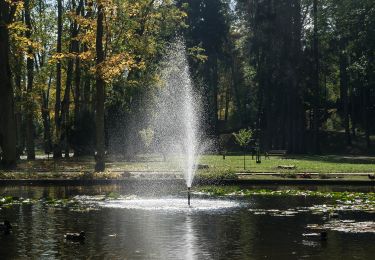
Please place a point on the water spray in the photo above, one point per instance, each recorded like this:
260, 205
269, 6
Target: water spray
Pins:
178, 113
189, 196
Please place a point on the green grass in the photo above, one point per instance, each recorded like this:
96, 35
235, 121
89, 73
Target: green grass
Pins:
219, 168
234, 163
309, 164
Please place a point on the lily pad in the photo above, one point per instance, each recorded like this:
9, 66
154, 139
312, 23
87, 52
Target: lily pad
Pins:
346, 226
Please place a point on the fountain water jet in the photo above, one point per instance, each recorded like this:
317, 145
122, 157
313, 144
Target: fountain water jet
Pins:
189, 196
177, 122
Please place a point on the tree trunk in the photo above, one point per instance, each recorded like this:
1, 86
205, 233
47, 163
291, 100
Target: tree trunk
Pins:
213, 85
73, 49
86, 100
366, 125
65, 108
100, 95
57, 145
352, 112
235, 81
227, 100
7, 119
77, 74
46, 118
30, 131
316, 113
344, 94
18, 107
77, 91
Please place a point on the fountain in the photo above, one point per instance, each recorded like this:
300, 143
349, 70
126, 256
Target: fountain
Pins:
189, 196
177, 120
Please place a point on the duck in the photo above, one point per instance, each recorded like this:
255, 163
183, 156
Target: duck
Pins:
322, 235
333, 215
5, 227
371, 176
76, 237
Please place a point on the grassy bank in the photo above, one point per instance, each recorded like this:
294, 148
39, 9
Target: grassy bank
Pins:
214, 166
317, 164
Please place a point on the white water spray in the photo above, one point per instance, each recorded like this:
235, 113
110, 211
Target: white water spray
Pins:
177, 122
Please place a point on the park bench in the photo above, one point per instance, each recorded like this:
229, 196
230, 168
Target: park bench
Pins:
275, 152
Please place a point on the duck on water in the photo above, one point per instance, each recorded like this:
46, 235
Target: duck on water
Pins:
5, 227
75, 237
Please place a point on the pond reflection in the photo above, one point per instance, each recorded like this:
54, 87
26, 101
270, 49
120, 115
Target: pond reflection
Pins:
142, 226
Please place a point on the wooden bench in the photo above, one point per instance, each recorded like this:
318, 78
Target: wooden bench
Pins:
274, 152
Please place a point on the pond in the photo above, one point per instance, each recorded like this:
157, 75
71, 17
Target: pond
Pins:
154, 222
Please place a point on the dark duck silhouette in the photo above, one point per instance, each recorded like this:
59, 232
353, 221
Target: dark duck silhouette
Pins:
5, 227
333, 215
321, 235
76, 237
371, 176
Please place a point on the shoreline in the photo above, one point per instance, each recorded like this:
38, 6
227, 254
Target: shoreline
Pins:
197, 182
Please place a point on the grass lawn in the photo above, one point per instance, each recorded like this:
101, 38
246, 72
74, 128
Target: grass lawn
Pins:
218, 167
302, 164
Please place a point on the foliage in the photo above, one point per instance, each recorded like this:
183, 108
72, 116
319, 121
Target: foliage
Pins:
265, 65
343, 197
243, 137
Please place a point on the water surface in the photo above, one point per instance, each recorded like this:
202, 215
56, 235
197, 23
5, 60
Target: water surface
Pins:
156, 223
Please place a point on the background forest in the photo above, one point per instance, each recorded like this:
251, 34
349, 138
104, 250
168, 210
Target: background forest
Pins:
80, 75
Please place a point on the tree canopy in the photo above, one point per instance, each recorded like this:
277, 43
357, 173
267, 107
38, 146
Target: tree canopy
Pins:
79, 76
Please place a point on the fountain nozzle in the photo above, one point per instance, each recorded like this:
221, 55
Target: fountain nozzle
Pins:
189, 196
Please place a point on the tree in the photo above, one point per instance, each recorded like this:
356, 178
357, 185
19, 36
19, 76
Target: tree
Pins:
208, 29
30, 79
99, 116
316, 80
73, 51
149, 24
274, 47
243, 138
57, 143
7, 119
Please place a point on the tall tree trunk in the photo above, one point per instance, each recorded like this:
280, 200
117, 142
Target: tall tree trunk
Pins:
77, 91
235, 71
227, 100
316, 113
353, 112
7, 119
30, 131
57, 145
344, 93
300, 115
365, 113
367, 104
100, 95
87, 93
46, 117
73, 49
77, 72
86, 101
18, 107
65, 108
213, 85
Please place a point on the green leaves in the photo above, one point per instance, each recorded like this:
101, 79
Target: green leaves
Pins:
243, 137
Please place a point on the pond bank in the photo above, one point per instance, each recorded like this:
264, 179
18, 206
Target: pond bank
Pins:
281, 181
